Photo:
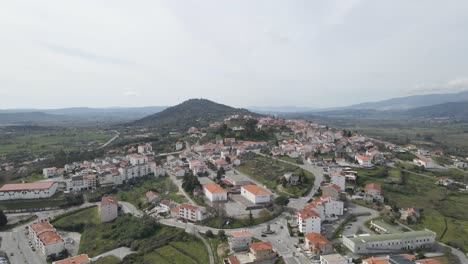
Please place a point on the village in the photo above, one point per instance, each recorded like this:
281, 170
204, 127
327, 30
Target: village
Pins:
320, 207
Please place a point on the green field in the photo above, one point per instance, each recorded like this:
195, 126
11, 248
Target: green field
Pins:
443, 210
267, 170
135, 194
56, 201
38, 142
107, 260
76, 221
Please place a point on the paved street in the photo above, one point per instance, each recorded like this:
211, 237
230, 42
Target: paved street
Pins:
17, 244
120, 253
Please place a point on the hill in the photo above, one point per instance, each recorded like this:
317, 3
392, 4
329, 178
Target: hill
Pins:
30, 118
446, 110
414, 101
193, 112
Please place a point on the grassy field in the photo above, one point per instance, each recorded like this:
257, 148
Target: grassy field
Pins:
135, 194
38, 142
443, 210
267, 170
56, 201
107, 260
154, 243
31, 178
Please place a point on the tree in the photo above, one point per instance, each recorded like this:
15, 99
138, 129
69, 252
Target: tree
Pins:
222, 234
3, 219
282, 200
220, 173
251, 218
209, 233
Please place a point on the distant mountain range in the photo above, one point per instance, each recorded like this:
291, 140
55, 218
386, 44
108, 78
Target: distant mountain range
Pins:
77, 115
193, 112
414, 101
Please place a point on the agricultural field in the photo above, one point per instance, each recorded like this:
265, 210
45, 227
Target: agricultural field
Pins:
442, 209
154, 243
267, 170
40, 142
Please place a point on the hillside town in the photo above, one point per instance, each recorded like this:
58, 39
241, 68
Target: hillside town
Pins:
319, 210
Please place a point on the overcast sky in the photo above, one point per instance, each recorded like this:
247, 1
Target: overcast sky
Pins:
56, 54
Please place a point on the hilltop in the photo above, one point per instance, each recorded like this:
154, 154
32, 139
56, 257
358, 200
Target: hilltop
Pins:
193, 112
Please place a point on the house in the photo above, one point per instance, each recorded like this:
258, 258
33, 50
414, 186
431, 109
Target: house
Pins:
423, 152
50, 172
308, 221
338, 179
214, 192
82, 182
444, 181
109, 208
373, 193
424, 162
332, 190
405, 241
146, 148
179, 145
364, 160
410, 214
35, 190
220, 163
255, 194
292, 178
334, 259
318, 244
192, 213
262, 251
152, 197
80, 259
157, 170
326, 207
179, 171
45, 238
240, 240
461, 164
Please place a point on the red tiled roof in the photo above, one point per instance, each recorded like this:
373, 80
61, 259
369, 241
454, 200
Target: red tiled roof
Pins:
305, 214
50, 237
83, 258
26, 186
373, 186
316, 238
428, 261
213, 188
254, 189
106, 200
241, 233
334, 186
151, 194
41, 226
363, 158
233, 260
189, 206
261, 246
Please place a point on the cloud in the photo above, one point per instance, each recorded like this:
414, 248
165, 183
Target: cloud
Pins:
455, 85
131, 94
81, 54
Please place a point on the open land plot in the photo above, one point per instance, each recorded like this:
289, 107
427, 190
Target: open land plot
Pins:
443, 210
267, 170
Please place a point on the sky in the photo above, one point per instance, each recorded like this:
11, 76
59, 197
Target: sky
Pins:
56, 54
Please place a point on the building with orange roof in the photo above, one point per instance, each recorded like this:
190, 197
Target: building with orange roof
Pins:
151, 196
262, 251
332, 190
255, 194
20, 191
364, 161
192, 212
80, 259
45, 238
214, 192
239, 241
373, 193
308, 221
317, 243
109, 208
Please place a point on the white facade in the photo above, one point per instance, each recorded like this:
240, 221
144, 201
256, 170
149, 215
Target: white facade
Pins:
145, 148
255, 194
158, 171
339, 180
192, 213
179, 146
109, 209
240, 241
309, 221
135, 171
136, 159
49, 172
214, 192
45, 238
19, 191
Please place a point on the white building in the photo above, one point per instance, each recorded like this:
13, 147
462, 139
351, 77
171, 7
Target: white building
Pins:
158, 171
426, 163
36, 190
240, 241
192, 213
146, 148
49, 172
255, 194
373, 192
334, 259
45, 239
214, 192
364, 160
109, 208
136, 159
395, 242
308, 221
136, 171
338, 179
327, 207
179, 145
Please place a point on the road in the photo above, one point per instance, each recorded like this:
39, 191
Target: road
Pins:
120, 253
117, 134
17, 243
